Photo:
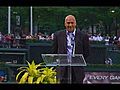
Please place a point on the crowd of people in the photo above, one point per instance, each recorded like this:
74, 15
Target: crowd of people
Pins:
17, 40
109, 40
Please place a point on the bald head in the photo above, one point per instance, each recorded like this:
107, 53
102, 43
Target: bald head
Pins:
70, 23
70, 17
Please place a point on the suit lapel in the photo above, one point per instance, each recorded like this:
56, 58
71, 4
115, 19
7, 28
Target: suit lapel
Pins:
65, 40
77, 39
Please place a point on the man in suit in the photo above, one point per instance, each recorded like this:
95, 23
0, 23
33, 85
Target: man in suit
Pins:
62, 44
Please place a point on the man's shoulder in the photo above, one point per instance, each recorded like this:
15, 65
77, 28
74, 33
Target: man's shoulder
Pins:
82, 33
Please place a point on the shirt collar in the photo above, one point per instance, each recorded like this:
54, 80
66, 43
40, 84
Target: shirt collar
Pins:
71, 32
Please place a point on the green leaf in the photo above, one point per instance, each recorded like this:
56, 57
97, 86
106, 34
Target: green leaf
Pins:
24, 78
19, 74
30, 79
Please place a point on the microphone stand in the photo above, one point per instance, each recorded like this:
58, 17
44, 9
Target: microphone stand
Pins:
70, 65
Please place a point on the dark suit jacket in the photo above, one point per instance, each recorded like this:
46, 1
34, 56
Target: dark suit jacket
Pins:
81, 47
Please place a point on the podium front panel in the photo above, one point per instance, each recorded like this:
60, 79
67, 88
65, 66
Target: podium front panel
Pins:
64, 60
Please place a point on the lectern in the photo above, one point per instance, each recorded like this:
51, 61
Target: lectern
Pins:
58, 60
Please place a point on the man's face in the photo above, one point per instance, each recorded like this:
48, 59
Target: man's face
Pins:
70, 23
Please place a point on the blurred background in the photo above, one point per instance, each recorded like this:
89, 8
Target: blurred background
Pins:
48, 19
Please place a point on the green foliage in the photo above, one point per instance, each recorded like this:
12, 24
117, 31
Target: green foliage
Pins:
53, 17
34, 74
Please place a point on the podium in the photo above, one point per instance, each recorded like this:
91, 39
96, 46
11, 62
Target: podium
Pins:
59, 60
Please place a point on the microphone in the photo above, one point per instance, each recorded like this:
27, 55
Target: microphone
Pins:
73, 54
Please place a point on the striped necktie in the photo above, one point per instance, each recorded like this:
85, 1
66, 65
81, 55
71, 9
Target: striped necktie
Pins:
71, 45
72, 39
